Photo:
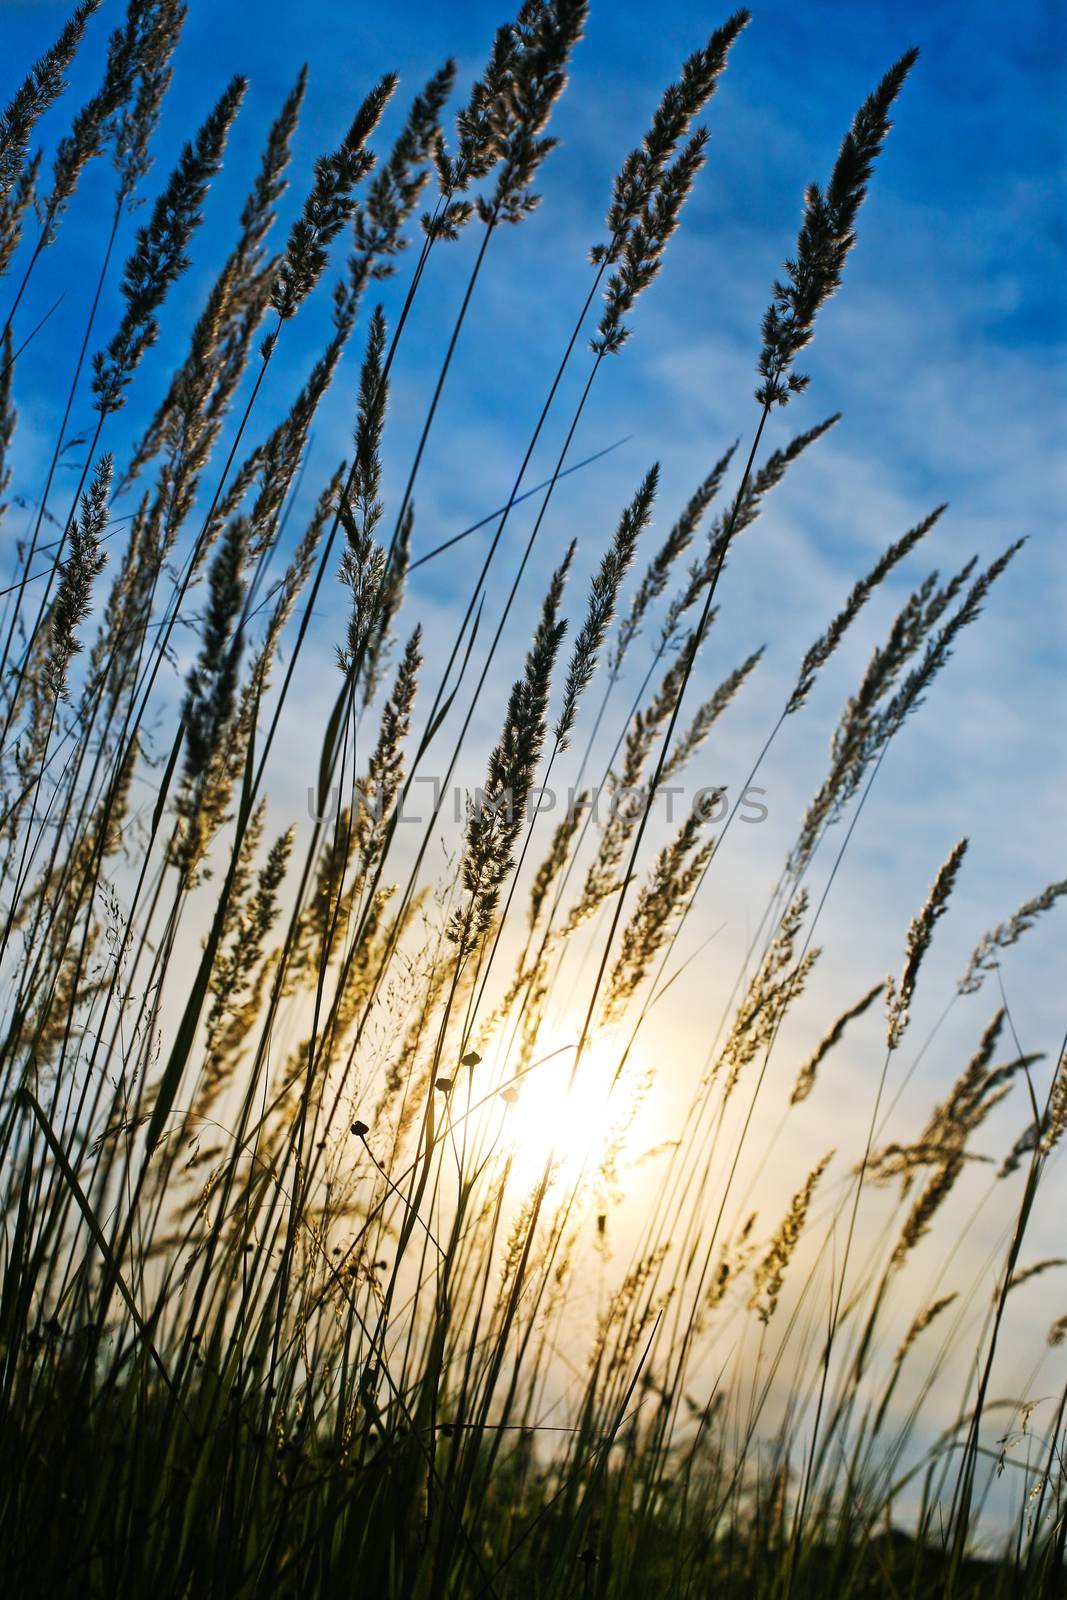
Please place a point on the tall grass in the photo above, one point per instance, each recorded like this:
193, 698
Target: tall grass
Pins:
314, 1157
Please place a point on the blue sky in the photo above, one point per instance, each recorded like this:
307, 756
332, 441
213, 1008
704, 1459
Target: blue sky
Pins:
944, 351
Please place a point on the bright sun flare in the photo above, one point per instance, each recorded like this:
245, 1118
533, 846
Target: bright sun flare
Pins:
573, 1125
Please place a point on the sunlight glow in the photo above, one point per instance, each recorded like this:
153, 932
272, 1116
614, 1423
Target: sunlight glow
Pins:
582, 1128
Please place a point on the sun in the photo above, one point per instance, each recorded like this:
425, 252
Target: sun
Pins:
571, 1121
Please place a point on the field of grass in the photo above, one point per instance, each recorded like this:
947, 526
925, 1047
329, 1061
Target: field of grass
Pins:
346, 1248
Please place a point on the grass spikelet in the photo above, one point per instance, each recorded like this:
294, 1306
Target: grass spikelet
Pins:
77, 573
276, 463
806, 1076
496, 816
210, 699
910, 695
379, 789
125, 613
775, 985
13, 208
159, 257
824, 647
984, 956
676, 873
1036, 1269
8, 415
1045, 1132
922, 1322
329, 205
706, 717
827, 234
601, 877
235, 990
862, 732
919, 1220
642, 170
388, 600
363, 563
542, 38
743, 514
663, 701
920, 933
767, 477
969, 1101
258, 212
645, 244
393, 194
41, 87
299, 571
477, 147
323, 920
556, 858
1056, 1115
654, 183
603, 596
770, 1273
674, 545
191, 414
94, 124
976, 1093
735, 1257
950, 1123
136, 122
